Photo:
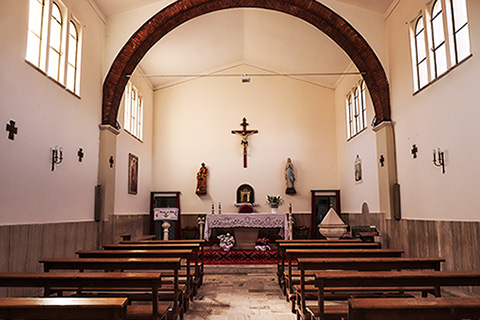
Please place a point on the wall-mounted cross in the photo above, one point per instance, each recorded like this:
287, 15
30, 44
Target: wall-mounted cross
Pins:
111, 161
382, 160
80, 154
244, 134
12, 130
414, 151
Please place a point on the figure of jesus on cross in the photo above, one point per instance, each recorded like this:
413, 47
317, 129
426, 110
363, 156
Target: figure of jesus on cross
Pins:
244, 134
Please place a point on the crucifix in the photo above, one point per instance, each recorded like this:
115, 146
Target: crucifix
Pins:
244, 134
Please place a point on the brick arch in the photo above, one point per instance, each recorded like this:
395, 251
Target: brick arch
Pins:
310, 11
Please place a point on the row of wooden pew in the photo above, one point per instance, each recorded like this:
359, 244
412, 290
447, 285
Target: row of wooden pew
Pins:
374, 283
139, 280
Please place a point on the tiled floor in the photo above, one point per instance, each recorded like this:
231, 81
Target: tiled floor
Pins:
240, 293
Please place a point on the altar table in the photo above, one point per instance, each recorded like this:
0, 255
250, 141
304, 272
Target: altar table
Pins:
247, 220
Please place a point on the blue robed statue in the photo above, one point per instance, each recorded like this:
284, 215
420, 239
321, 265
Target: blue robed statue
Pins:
290, 177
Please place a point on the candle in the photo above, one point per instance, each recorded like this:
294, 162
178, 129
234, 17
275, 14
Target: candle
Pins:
219, 207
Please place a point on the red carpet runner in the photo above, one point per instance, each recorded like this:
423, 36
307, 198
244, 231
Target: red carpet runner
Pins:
240, 257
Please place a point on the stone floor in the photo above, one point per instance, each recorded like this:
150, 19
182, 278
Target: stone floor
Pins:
240, 293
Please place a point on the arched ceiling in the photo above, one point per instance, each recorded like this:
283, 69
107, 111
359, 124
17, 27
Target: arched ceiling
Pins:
266, 39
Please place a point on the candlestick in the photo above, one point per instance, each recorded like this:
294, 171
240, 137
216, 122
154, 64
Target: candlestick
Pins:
213, 207
219, 207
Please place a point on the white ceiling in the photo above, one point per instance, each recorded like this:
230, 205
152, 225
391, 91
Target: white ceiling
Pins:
265, 39
111, 7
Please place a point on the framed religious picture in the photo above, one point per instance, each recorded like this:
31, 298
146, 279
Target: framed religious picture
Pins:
358, 169
132, 173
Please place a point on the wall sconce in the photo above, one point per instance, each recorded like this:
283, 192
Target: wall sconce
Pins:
441, 159
57, 157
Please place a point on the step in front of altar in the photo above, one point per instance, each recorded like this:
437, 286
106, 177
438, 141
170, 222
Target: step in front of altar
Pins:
212, 257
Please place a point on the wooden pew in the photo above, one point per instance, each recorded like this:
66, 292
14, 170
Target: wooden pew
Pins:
189, 241
63, 308
74, 281
451, 308
179, 298
282, 241
315, 244
293, 254
166, 245
325, 281
359, 264
186, 255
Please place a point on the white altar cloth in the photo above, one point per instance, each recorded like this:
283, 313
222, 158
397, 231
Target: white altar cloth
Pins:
247, 220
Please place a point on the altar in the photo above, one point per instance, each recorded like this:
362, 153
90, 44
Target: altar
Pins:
243, 222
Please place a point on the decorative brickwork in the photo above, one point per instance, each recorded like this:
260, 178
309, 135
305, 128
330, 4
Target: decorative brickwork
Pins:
310, 11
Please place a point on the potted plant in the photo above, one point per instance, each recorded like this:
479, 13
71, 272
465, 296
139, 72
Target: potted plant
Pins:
274, 201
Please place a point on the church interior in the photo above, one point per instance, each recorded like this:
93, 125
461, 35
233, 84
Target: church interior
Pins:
116, 110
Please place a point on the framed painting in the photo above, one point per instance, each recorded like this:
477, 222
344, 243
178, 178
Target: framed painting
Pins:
358, 169
132, 173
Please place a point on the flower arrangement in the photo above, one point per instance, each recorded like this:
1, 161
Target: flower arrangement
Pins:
226, 241
262, 244
263, 241
274, 201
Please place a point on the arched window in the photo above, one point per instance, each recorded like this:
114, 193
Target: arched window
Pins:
72, 59
133, 117
439, 62
356, 110
447, 35
421, 67
363, 104
461, 37
35, 31
55, 43
349, 116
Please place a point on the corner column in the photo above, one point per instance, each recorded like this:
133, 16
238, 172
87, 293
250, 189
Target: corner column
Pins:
387, 169
106, 181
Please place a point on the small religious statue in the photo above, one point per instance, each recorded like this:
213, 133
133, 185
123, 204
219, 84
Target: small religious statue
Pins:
290, 177
202, 180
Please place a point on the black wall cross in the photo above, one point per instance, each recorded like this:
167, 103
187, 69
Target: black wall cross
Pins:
80, 154
414, 151
12, 130
382, 160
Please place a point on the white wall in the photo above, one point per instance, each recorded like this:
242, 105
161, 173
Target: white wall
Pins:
364, 145
135, 203
47, 116
193, 123
444, 115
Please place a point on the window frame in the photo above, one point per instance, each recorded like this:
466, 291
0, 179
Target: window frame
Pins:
133, 111
356, 110
448, 45
48, 47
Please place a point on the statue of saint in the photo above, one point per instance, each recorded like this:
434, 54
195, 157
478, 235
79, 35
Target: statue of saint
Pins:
290, 177
202, 180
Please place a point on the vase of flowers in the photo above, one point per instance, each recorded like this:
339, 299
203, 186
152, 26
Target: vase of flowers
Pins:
274, 201
226, 241
262, 244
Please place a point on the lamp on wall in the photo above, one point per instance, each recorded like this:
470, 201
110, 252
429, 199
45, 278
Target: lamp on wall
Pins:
57, 157
440, 162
